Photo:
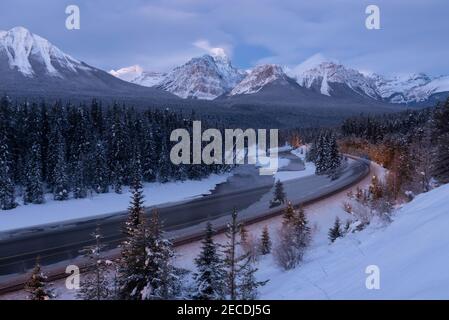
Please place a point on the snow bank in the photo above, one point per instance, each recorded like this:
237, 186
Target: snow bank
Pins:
411, 254
98, 204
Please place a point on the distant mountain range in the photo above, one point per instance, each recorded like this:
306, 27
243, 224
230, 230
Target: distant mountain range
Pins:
209, 77
318, 91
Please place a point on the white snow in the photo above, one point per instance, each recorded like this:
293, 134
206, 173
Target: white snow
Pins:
20, 45
411, 253
137, 75
297, 72
325, 86
259, 77
99, 204
206, 77
127, 73
328, 72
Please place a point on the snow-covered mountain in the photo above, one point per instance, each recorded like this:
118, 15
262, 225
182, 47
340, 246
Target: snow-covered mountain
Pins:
334, 79
32, 67
137, 75
413, 88
30, 54
205, 77
259, 77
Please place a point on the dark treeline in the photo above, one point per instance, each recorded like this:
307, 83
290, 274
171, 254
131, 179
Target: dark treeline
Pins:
412, 145
375, 128
72, 151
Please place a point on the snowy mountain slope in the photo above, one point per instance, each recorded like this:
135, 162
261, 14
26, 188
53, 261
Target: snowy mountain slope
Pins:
414, 88
205, 77
135, 74
411, 254
426, 91
333, 79
32, 67
388, 87
26, 51
259, 77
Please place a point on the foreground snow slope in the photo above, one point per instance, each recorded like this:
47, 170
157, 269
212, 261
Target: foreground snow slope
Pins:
411, 252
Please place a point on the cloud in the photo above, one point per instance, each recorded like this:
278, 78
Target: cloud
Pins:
158, 34
214, 51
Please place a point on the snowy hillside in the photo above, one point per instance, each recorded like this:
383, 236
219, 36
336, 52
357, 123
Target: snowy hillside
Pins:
137, 75
422, 93
259, 77
27, 53
206, 77
411, 254
323, 77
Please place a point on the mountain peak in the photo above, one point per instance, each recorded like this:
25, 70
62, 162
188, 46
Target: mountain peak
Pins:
20, 30
205, 77
259, 77
24, 50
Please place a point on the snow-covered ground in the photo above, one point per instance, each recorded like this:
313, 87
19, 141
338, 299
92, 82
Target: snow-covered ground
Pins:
411, 254
98, 204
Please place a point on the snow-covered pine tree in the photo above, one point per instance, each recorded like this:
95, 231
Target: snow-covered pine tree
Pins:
79, 179
334, 161
279, 194
247, 284
59, 178
37, 284
232, 257
302, 228
320, 154
133, 270
162, 277
210, 276
265, 242
101, 173
7, 189
294, 237
95, 284
33, 177
335, 232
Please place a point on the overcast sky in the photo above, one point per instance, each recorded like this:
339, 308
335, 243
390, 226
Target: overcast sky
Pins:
161, 34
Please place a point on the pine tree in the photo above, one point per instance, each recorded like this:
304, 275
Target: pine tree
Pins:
37, 284
59, 177
321, 155
294, 238
302, 228
265, 242
79, 183
247, 284
7, 189
279, 194
232, 258
133, 269
210, 277
101, 173
334, 161
162, 280
33, 180
95, 284
289, 214
335, 232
